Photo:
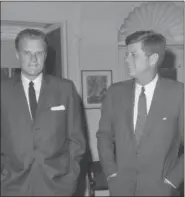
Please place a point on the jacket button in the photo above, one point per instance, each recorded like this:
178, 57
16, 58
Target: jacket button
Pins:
137, 173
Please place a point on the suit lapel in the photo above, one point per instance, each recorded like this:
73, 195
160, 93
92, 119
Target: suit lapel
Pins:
130, 95
20, 99
44, 95
155, 108
130, 105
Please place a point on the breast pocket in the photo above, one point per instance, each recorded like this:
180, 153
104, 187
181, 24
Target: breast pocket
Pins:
53, 120
58, 117
53, 128
168, 122
168, 127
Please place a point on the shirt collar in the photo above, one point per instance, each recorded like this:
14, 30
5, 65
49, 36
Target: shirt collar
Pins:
150, 85
36, 81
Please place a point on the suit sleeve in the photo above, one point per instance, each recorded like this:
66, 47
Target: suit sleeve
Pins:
2, 154
177, 174
105, 136
1, 136
76, 140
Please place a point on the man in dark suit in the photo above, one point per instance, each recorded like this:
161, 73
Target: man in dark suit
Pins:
42, 138
142, 122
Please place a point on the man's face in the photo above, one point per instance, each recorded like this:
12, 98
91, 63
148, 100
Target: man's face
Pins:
32, 55
137, 61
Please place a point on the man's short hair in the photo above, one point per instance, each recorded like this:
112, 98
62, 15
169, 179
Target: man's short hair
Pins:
30, 33
152, 42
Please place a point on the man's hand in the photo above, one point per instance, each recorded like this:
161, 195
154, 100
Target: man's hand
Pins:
4, 173
2, 177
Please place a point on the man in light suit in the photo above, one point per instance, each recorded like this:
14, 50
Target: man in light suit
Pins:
142, 122
42, 139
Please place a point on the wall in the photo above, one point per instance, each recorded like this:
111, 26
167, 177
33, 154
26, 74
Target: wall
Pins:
98, 50
92, 37
50, 12
8, 57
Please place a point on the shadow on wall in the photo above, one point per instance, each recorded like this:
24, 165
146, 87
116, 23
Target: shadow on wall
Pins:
87, 157
167, 69
50, 63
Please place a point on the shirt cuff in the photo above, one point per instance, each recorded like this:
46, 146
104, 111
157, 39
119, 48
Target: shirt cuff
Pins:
170, 183
112, 175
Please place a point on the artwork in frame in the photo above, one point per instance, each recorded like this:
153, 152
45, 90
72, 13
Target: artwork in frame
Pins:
94, 86
5, 73
8, 72
15, 71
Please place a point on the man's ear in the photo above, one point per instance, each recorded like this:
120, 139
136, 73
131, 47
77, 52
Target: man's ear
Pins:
153, 59
45, 56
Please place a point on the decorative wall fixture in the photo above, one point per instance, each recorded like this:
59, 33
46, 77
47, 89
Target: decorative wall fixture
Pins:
163, 17
94, 86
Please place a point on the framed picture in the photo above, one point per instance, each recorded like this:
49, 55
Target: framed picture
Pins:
5, 73
94, 86
8, 72
15, 71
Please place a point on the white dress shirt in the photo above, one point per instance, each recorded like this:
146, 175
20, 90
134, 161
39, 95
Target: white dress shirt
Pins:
37, 86
149, 92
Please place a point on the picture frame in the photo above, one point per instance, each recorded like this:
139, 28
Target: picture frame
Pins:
94, 86
5, 73
9, 72
15, 71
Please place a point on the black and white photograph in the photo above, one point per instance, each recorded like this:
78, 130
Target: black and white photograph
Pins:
92, 98
94, 86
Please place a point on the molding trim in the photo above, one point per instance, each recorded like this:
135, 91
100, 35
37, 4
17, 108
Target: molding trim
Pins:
157, 17
9, 32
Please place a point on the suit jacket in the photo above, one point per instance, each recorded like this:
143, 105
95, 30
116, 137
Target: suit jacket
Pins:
41, 157
142, 168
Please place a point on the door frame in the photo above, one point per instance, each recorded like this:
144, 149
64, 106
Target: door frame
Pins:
10, 32
63, 40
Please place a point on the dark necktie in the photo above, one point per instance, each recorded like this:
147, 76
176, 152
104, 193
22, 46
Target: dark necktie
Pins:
141, 116
32, 99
